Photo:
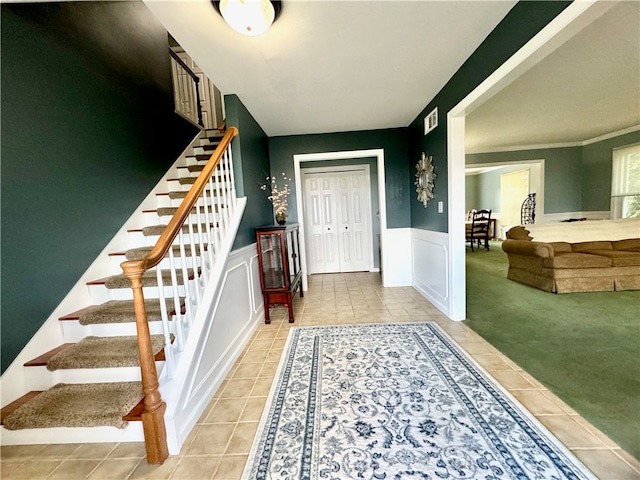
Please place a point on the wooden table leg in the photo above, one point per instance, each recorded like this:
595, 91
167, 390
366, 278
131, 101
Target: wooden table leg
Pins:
267, 320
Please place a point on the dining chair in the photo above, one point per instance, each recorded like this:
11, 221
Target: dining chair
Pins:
479, 231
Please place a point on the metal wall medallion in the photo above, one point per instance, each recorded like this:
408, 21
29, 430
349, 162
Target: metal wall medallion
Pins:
424, 179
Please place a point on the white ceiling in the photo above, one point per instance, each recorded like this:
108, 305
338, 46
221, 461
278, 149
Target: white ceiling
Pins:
330, 66
587, 88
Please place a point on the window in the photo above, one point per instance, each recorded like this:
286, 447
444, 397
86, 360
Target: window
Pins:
625, 182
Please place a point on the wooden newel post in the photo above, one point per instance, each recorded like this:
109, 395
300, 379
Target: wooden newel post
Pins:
155, 433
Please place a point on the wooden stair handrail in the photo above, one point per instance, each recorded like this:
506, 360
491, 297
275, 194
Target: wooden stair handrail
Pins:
155, 434
162, 246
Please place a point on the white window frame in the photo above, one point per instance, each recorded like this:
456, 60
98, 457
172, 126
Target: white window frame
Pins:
622, 188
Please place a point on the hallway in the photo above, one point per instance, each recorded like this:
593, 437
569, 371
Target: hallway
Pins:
220, 443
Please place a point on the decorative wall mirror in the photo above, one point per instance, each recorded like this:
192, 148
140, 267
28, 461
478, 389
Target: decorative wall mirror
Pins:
424, 179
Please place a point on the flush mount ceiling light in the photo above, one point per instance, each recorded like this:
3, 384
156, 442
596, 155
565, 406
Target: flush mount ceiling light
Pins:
248, 17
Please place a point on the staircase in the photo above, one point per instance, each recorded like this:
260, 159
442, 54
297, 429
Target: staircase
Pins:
94, 356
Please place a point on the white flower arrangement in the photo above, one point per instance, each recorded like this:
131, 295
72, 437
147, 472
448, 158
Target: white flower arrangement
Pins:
279, 197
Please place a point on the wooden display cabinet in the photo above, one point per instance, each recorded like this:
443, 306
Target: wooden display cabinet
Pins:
279, 265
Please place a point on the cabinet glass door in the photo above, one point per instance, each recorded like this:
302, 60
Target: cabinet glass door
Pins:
272, 268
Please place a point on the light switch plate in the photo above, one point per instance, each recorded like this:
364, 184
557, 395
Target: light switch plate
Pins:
440, 207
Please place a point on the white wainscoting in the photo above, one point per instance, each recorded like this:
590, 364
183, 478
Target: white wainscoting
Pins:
396, 268
559, 217
236, 312
430, 260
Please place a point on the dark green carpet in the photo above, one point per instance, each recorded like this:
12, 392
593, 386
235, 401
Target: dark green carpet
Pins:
585, 347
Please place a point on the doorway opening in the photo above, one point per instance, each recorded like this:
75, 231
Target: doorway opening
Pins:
569, 22
378, 154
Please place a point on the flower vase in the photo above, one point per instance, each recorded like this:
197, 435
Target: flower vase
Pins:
281, 218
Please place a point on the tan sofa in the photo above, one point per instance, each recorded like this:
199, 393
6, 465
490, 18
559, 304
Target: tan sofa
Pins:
595, 255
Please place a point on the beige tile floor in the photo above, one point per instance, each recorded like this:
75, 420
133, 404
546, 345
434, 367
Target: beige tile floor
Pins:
219, 445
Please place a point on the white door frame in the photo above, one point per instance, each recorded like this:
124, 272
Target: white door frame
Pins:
570, 21
378, 153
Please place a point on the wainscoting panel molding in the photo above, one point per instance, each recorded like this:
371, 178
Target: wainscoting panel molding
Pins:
429, 258
236, 312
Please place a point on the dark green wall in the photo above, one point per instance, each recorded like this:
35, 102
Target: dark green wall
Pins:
394, 143
88, 129
596, 171
522, 22
562, 172
251, 166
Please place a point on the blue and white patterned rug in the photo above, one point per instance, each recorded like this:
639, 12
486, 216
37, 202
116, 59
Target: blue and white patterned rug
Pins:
396, 402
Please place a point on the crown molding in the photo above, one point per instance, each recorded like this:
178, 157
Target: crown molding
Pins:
556, 145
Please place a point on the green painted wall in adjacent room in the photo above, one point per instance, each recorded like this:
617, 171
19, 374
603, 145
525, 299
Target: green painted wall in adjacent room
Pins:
471, 192
563, 174
88, 129
250, 152
522, 22
596, 171
577, 179
397, 175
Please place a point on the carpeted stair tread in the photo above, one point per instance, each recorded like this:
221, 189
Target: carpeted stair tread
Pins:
141, 252
170, 211
204, 157
103, 352
42, 360
13, 406
180, 194
191, 180
155, 230
187, 180
122, 311
77, 406
211, 147
149, 279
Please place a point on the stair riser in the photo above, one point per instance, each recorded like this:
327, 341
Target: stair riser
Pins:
153, 218
201, 150
164, 264
138, 239
165, 201
39, 378
74, 332
41, 436
100, 294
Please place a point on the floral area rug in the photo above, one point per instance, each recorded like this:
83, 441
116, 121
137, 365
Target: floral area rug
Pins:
396, 401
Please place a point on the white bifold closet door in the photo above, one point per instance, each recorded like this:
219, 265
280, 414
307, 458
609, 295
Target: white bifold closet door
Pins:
337, 221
